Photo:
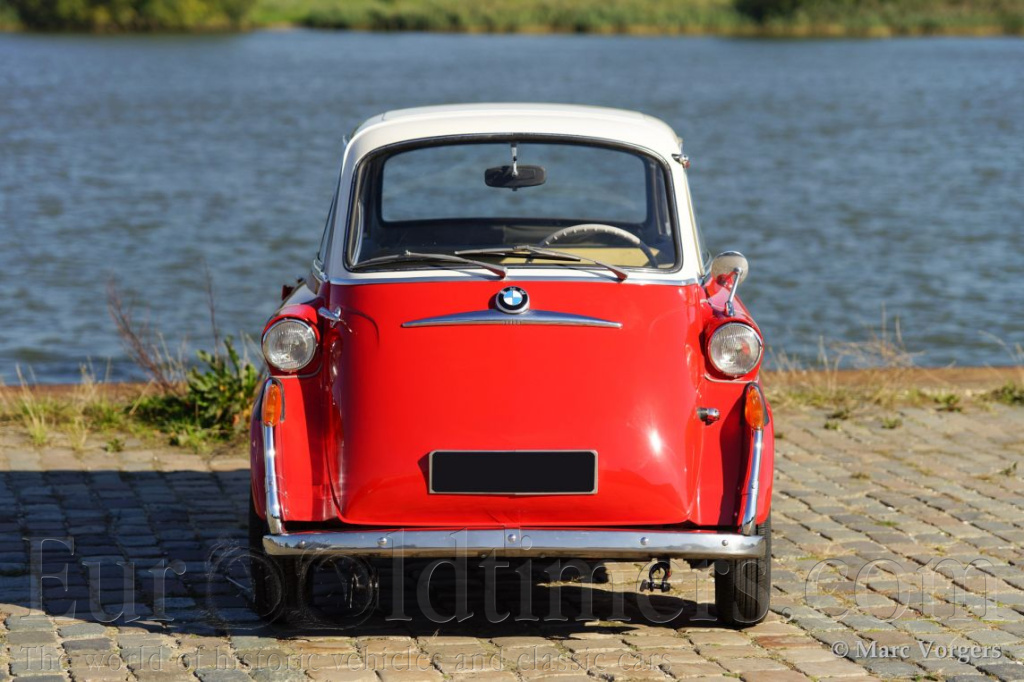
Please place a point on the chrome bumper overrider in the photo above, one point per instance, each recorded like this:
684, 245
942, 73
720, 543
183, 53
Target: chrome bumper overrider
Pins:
582, 544
753, 483
273, 496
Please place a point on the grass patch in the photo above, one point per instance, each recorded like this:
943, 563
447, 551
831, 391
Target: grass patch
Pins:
841, 413
885, 366
75, 415
891, 423
1009, 393
948, 402
211, 407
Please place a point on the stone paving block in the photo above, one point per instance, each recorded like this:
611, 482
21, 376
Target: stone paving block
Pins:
410, 676
802, 641
891, 669
745, 665
28, 622
456, 664
342, 675
689, 670
276, 675
774, 676
993, 637
837, 667
518, 642
92, 644
732, 651
677, 656
807, 655
503, 676
223, 676
82, 630
1007, 672
720, 637
30, 638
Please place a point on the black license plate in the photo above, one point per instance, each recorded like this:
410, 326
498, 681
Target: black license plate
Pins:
513, 472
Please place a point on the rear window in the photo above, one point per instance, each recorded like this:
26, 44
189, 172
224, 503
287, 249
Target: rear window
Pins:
442, 199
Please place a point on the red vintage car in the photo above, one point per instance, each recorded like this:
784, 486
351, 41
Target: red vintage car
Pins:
509, 344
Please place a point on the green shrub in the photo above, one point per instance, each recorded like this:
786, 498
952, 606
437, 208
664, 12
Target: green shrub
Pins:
1008, 394
215, 403
221, 394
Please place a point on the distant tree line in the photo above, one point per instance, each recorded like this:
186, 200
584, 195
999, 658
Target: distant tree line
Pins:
902, 15
726, 17
131, 15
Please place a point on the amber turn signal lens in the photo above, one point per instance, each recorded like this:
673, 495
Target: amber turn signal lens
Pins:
755, 411
273, 402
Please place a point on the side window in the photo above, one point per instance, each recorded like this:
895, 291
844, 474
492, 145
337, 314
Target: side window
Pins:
705, 255
321, 254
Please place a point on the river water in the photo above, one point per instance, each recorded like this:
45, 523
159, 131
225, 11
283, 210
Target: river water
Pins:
861, 178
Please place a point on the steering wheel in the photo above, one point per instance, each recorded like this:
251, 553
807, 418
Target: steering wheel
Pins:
601, 228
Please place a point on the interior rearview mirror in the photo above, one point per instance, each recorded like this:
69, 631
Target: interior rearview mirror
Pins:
514, 177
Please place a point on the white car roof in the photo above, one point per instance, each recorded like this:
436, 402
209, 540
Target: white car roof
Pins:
466, 120
613, 125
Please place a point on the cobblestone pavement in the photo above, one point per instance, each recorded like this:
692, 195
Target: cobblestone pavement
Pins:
898, 553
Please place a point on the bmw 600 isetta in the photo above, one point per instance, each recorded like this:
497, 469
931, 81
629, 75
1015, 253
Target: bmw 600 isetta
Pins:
510, 344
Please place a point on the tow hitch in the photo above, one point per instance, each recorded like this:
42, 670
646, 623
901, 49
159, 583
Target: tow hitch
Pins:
652, 583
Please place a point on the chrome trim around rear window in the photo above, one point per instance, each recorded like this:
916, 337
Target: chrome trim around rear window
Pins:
523, 275
524, 542
350, 236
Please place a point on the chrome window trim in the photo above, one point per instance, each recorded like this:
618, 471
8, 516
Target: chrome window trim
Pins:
565, 275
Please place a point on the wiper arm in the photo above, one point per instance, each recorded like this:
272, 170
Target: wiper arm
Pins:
412, 257
529, 251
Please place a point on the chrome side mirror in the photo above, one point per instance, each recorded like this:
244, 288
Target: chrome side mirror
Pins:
726, 266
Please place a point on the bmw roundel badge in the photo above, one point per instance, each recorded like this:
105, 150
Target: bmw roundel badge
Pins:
512, 300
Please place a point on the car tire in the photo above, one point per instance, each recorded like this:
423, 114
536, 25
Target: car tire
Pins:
275, 580
743, 586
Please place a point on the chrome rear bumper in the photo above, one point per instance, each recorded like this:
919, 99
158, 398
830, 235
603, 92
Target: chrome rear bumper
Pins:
581, 544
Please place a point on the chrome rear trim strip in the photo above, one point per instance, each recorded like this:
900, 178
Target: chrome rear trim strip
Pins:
273, 496
581, 544
542, 317
747, 525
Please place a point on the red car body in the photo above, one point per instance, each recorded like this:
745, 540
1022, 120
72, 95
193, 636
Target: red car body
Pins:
382, 396
351, 433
